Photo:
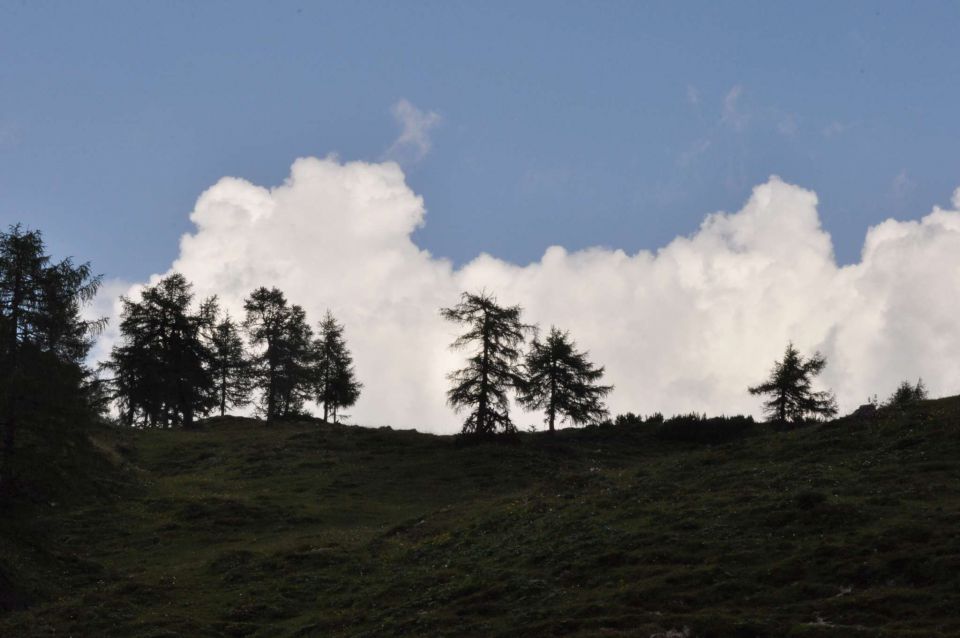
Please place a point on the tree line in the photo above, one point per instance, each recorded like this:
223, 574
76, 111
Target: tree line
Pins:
552, 376
792, 399
556, 378
178, 360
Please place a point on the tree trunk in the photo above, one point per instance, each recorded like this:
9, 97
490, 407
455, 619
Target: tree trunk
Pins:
552, 409
223, 394
482, 417
12, 381
271, 381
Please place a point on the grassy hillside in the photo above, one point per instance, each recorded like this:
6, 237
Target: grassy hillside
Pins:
238, 529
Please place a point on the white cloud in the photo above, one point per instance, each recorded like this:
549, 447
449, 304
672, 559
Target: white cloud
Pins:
687, 157
693, 95
733, 115
788, 125
414, 143
835, 128
685, 328
902, 184
106, 304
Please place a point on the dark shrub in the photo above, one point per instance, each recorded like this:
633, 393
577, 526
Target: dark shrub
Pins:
628, 420
696, 428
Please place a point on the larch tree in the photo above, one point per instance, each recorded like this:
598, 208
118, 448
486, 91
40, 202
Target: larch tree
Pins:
562, 382
336, 384
282, 369
229, 365
907, 394
494, 335
43, 341
161, 367
789, 387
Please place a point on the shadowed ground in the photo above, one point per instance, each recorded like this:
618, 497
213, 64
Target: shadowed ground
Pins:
240, 529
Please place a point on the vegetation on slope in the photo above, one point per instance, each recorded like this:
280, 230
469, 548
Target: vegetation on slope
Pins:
846, 528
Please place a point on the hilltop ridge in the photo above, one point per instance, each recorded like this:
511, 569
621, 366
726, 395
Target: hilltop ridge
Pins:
238, 528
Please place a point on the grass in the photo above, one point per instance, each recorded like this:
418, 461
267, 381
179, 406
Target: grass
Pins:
241, 529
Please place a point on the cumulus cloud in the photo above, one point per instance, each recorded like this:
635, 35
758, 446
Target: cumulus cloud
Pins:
414, 143
684, 328
106, 304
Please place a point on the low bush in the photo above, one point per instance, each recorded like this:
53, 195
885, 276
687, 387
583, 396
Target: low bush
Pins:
697, 428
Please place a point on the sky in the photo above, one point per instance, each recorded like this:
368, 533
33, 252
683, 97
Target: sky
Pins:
570, 157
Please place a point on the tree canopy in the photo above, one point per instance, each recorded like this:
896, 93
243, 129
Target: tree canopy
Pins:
229, 365
161, 367
789, 387
336, 385
43, 339
905, 394
561, 381
283, 368
494, 334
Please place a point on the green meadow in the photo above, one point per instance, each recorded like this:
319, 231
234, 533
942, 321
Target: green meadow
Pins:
240, 528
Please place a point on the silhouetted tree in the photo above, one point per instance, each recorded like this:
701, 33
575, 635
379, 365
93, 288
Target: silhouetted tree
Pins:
562, 382
905, 394
161, 367
789, 388
336, 384
43, 339
229, 365
494, 333
283, 368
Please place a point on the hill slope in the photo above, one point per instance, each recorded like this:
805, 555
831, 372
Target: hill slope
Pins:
240, 529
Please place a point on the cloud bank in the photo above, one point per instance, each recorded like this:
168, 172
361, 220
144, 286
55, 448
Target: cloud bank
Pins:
685, 328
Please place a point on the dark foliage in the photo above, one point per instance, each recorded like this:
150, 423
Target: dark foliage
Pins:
789, 387
161, 368
631, 420
335, 381
907, 394
229, 365
561, 381
283, 368
494, 333
43, 342
696, 428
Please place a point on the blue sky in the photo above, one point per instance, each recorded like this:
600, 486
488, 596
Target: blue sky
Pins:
579, 124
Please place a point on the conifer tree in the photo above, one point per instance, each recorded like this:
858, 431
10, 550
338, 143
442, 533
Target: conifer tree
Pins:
229, 365
789, 387
336, 384
43, 339
294, 382
494, 335
561, 381
283, 369
161, 366
905, 394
